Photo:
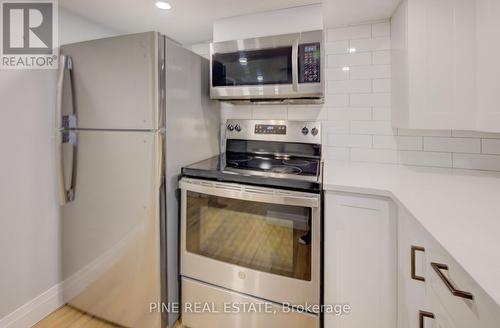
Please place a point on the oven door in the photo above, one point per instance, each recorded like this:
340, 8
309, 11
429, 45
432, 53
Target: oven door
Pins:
258, 241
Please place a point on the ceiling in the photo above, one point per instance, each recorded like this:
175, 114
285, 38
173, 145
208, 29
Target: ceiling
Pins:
190, 21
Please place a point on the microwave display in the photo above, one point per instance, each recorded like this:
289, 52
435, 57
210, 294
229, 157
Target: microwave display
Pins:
309, 63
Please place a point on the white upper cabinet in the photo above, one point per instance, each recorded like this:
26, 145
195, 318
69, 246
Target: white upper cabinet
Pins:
433, 68
488, 65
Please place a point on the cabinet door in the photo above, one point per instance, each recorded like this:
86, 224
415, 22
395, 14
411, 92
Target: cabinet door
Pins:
360, 260
433, 62
488, 66
412, 270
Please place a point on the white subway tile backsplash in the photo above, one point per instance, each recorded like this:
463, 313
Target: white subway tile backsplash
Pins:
372, 127
349, 140
338, 47
370, 72
423, 158
313, 113
371, 100
336, 74
454, 145
349, 114
381, 29
491, 146
270, 113
335, 127
349, 86
381, 57
336, 100
374, 155
476, 162
336, 153
397, 142
350, 32
374, 44
354, 59
427, 133
381, 114
474, 134
381, 85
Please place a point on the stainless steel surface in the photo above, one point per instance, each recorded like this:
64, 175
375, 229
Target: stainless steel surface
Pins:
129, 99
293, 133
71, 138
266, 285
197, 292
110, 232
278, 101
192, 123
276, 92
295, 65
116, 82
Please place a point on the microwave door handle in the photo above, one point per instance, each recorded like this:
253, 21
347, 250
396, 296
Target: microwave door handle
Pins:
295, 65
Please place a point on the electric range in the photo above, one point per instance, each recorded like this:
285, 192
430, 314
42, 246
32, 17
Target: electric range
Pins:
251, 226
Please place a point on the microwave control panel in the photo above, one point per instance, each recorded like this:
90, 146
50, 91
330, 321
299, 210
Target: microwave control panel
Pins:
310, 62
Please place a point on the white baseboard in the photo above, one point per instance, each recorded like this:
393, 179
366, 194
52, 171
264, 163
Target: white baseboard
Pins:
35, 310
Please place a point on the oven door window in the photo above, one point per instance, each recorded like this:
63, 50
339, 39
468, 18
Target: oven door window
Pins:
260, 236
258, 67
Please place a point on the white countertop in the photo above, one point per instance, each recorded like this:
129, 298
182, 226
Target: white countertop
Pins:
459, 208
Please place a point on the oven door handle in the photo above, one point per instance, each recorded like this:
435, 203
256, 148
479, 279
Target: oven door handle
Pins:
250, 193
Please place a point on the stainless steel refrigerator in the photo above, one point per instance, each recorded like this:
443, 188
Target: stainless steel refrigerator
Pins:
131, 111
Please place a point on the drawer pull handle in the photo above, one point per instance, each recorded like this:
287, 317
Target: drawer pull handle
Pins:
415, 249
438, 267
421, 318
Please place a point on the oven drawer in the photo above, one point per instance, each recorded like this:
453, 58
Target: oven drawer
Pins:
195, 293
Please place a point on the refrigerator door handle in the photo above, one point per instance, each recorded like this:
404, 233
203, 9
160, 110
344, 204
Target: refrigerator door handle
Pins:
65, 121
66, 195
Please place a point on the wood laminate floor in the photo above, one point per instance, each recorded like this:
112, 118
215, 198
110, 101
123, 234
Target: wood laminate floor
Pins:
69, 317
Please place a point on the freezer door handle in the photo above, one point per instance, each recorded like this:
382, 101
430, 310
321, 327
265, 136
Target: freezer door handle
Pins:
66, 195
65, 121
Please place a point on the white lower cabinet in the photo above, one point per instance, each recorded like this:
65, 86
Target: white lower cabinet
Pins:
439, 293
360, 260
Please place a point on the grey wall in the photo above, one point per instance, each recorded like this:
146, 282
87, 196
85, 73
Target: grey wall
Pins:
29, 214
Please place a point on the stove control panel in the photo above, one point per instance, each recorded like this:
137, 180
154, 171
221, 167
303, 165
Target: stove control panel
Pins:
274, 130
270, 129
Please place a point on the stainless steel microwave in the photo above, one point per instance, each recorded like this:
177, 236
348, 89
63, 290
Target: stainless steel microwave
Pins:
286, 67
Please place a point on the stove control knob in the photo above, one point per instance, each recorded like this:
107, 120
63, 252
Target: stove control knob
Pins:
237, 128
305, 130
230, 127
314, 131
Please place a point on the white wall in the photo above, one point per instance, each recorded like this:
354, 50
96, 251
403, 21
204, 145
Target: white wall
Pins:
29, 213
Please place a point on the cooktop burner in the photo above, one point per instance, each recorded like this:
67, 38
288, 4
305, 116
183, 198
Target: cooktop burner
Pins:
272, 164
283, 169
296, 162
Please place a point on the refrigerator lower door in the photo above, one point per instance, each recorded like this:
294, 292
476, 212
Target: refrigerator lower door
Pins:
112, 226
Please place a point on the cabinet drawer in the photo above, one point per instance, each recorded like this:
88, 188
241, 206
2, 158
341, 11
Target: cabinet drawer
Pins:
452, 287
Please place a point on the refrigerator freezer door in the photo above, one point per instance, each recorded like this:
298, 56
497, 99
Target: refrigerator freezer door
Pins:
111, 229
114, 82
